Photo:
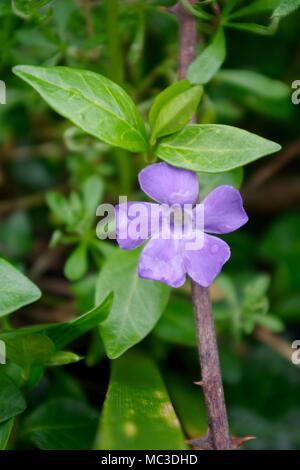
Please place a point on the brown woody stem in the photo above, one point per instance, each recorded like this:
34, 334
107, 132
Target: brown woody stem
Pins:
218, 436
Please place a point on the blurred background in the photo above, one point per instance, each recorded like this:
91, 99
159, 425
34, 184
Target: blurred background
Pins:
46, 167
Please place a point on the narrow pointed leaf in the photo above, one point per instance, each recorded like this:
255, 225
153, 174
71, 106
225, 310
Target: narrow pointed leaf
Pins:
174, 108
203, 68
213, 148
92, 102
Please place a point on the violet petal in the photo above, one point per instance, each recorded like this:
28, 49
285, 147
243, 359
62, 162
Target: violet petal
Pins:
223, 210
168, 184
205, 264
162, 260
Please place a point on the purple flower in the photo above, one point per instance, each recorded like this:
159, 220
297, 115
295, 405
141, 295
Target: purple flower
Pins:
170, 260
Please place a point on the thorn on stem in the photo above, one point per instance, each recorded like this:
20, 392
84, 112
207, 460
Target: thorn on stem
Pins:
199, 382
239, 441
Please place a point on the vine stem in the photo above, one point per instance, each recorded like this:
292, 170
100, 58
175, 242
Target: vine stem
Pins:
218, 432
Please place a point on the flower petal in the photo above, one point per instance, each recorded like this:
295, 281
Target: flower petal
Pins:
205, 264
169, 185
162, 260
223, 210
136, 222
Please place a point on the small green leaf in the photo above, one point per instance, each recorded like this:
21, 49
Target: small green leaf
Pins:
61, 424
286, 7
11, 399
138, 414
26, 8
61, 358
5, 432
137, 304
92, 194
174, 108
77, 264
92, 102
203, 68
258, 92
59, 206
254, 8
255, 83
62, 334
255, 28
213, 148
16, 290
271, 322
28, 350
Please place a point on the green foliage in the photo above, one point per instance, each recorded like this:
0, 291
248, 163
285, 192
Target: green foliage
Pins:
286, 7
137, 304
92, 102
173, 108
258, 92
70, 49
209, 61
16, 290
137, 412
5, 430
12, 401
61, 424
213, 148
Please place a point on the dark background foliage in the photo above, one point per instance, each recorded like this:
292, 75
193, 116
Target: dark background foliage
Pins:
256, 299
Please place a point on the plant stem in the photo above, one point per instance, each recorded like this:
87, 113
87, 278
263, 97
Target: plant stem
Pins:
218, 435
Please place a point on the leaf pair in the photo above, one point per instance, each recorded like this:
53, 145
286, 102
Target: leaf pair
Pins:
103, 109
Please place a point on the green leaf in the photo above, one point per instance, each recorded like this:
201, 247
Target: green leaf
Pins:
28, 350
26, 8
138, 414
137, 304
5, 432
92, 191
203, 68
286, 7
62, 333
59, 206
77, 263
11, 399
255, 83
61, 424
256, 91
90, 101
254, 8
209, 181
16, 290
271, 322
213, 148
173, 108
61, 358
254, 28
